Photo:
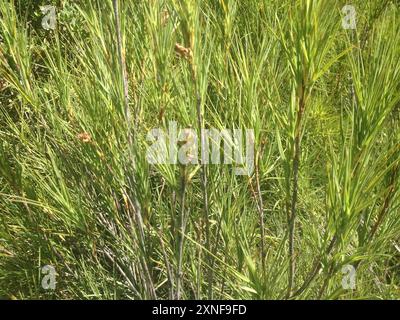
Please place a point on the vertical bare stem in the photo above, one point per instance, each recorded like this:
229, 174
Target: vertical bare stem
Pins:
204, 180
131, 178
261, 216
386, 203
293, 209
182, 231
260, 208
204, 183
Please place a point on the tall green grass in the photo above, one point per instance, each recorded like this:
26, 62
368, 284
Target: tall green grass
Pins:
77, 191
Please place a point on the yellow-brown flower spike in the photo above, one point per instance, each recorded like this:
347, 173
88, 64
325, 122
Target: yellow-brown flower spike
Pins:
183, 52
164, 17
84, 137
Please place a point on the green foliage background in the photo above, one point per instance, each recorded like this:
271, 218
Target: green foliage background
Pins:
323, 102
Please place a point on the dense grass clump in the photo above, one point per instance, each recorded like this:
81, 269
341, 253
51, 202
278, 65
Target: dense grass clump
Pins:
78, 193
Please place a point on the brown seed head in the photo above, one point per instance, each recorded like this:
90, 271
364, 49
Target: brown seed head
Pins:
164, 17
84, 137
183, 52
